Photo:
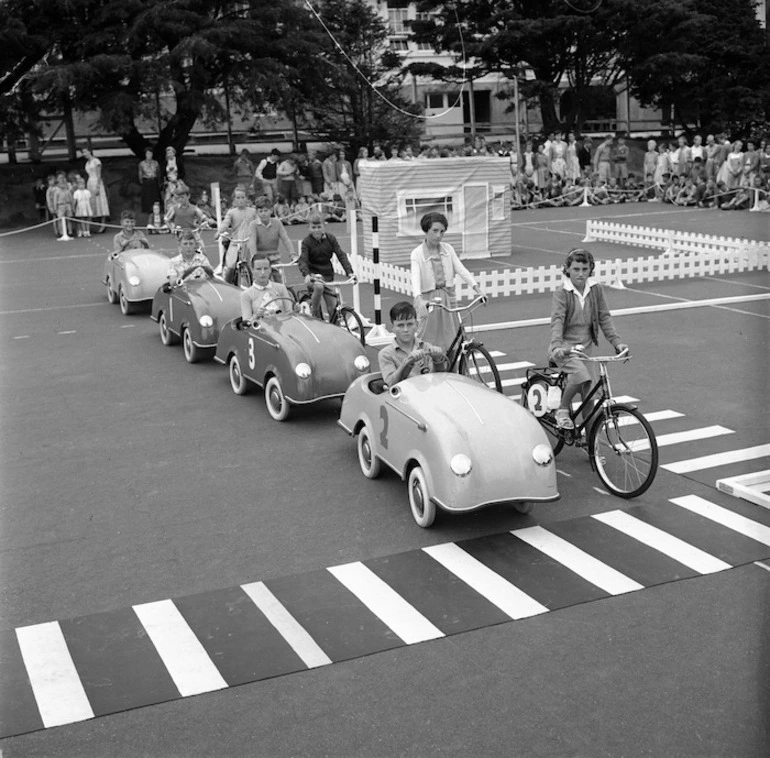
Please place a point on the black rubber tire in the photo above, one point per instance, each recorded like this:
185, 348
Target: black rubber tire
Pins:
371, 465
112, 296
477, 363
623, 450
277, 405
127, 308
350, 320
167, 337
243, 276
238, 381
422, 507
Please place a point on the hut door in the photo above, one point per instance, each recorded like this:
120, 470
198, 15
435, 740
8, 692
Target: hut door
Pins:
475, 221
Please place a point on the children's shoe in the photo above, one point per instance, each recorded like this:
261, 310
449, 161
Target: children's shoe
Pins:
563, 421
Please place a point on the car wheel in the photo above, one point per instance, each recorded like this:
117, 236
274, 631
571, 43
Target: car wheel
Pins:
167, 337
277, 404
423, 508
523, 507
192, 353
112, 296
371, 465
126, 307
237, 379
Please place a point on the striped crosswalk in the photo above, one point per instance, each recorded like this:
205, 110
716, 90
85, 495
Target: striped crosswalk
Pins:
62, 672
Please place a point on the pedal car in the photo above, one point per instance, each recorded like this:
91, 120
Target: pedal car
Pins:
194, 312
459, 446
297, 359
133, 277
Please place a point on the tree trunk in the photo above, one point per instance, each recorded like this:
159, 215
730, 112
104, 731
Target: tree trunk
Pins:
548, 113
136, 142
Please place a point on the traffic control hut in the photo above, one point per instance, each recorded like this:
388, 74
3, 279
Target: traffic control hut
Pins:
474, 193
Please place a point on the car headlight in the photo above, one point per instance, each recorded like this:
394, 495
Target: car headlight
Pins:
361, 362
302, 370
206, 321
542, 454
134, 281
461, 465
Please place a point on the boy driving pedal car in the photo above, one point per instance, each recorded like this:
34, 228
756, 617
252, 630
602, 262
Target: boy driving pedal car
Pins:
265, 296
408, 353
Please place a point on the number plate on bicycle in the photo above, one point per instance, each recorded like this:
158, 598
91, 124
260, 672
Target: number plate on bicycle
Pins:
537, 396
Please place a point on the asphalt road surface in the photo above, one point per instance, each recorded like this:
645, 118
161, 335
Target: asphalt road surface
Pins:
138, 491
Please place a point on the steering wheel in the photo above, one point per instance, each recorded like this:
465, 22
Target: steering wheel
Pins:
277, 299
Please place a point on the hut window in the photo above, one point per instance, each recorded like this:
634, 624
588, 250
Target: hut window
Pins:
412, 209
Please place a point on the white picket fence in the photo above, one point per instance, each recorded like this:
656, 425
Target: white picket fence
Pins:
684, 255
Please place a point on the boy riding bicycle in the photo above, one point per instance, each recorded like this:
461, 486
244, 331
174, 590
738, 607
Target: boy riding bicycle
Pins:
578, 311
315, 264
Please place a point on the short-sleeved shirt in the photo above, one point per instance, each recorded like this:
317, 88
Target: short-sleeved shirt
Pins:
122, 241
178, 265
392, 356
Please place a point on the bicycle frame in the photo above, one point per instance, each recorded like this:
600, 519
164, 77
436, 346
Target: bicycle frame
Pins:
460, 343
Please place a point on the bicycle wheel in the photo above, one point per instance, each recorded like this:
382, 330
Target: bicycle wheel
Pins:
348, 319
478, 364
624, 451
243, 276
549, 426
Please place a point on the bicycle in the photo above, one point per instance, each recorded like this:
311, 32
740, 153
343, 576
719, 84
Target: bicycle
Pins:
620, 442
468, 356
240, 273
342, 315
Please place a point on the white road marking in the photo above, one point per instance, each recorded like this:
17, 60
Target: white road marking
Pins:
58, 691
499, 591
22, 337
385, 603
691, 556
718, 459
128, 326
745, 526
762, 565
663, 440
591, 569
286, 625
180, 650
52, 308
68, 331
563, 473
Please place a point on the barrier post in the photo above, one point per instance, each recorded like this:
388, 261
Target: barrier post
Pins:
755, 204
64, 236
589, 229
216, 199
378, 335
670, 240
585, 203
353, 229
617, 282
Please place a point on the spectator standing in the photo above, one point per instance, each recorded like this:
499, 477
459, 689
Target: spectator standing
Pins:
50, 201
316, 173
330, 173
650, 163
82, 201
712, 152
62, 199
764, 160
528, 160
243, 169
344, 171
732, 169
173, 173
573, 162
267, 174
39, 192
557, 157
542, 176
286, 174
100, 207
584, 154
602, 159
750, 165
149, 179
620, 162
697, 151
363, 155
683, 161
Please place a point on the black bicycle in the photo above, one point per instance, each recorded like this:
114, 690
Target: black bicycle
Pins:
468, 356
620, 442
342, 315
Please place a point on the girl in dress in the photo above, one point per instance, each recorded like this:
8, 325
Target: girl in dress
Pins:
235, 225
662, 167
650, 166
573, 163
541, 169
557, 153
149, 178
172, 175
100, 207
434, 266
82, 199
731, 170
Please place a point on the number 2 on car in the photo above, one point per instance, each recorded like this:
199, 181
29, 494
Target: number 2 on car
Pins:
384, 432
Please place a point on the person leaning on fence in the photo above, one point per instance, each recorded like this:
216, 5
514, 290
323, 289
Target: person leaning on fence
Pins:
578, 311
434, 266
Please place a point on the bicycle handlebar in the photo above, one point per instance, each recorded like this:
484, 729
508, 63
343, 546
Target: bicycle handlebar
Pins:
349, 280
622, 356
473, 304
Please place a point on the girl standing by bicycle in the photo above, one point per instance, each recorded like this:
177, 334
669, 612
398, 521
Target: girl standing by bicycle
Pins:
435, 264
578, 311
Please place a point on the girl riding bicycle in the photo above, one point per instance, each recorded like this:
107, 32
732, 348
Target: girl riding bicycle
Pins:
578, 311
235, 225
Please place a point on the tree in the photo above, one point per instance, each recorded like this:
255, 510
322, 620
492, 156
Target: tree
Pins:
117, 56
361, 102
553, 39
707, 60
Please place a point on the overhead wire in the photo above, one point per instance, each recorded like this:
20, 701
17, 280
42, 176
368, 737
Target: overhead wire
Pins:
371, 85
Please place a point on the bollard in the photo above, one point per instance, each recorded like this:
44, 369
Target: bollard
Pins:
378, 335
64, 236
585, 203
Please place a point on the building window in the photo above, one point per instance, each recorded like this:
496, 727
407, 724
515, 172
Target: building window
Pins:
399, 45
411, 208
424, 46
434, 100
397, 18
